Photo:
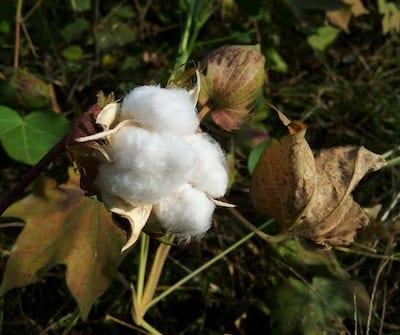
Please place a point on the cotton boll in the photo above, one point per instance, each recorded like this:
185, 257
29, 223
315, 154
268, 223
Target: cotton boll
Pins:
146, 166
164, 110
186, 213
210, 174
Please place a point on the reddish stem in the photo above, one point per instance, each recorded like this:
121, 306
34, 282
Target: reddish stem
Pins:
32, 174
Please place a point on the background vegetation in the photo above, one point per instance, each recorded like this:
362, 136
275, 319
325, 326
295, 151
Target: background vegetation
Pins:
341, 79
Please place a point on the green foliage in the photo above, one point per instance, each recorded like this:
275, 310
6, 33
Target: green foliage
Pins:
27, 139
319, 308
75, 30
113, 30
391, 16
323, 37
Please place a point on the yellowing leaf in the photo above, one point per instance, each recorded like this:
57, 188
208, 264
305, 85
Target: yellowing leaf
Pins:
341, 17
357, 7
391, 16
311, 196
64, 227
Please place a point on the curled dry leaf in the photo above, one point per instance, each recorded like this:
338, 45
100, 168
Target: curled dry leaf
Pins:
310, 196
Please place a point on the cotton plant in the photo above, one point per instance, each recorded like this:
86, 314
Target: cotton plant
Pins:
147, 159
154, 159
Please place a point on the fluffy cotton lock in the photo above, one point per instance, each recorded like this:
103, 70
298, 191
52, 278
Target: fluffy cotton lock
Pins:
145, 166
164, 110
187, 212
210, 173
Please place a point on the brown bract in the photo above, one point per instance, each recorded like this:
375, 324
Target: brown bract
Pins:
87, 156
310, 195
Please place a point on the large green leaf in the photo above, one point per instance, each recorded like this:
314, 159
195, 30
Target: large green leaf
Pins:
28, 139
64, 227
319, 308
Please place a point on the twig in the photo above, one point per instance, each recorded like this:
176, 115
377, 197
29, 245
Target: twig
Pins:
18, 19
373, 294
125, 324
31, 175
257, 231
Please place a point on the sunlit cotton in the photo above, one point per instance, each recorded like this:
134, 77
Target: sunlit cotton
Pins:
159, 157
164, 110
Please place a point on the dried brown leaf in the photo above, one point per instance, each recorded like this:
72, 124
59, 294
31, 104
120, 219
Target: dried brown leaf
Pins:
311, 197
64, 227
283, 180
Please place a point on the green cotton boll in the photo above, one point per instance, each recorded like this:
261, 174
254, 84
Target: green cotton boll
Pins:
21, 89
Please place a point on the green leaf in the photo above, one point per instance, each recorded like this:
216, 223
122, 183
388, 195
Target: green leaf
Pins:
255, 155
4, 27
81, 5
28, 139
113, 30
73, 52
298, 255
75, 29
9, 119
277, 63
391, 16
319, 308
64, 227
323, 37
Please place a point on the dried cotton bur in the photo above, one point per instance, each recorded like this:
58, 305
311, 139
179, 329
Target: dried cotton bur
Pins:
154, 159
310, 194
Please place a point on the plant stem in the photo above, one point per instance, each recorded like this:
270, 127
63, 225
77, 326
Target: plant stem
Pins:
198, 14
392, 162
257, 231
150, 328
390, 152
144, 252
183, 52
32, 174
18, 19
206, 265
155, 273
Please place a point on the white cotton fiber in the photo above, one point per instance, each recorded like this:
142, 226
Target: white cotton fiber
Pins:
164, 110
146, 166
186, 213
210, 173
